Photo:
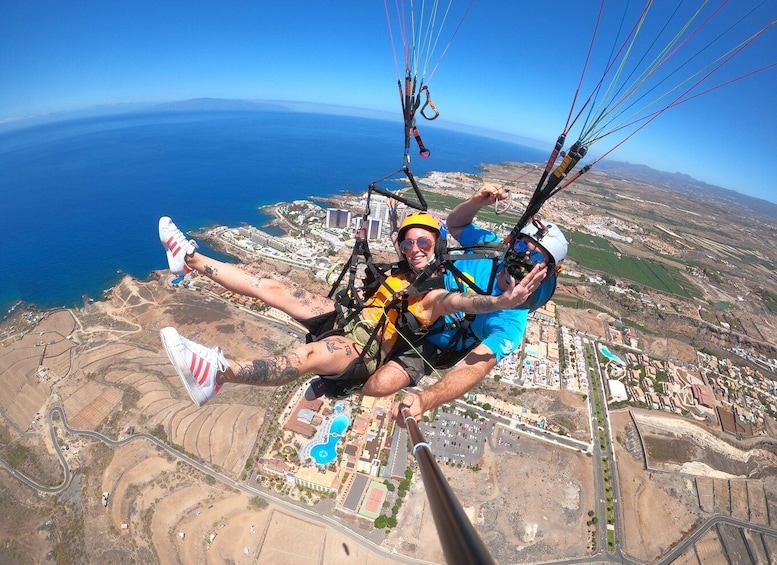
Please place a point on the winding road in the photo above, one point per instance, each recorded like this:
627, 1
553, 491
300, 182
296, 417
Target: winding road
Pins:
294, 508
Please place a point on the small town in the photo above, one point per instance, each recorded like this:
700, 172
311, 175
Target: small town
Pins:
313, 453
621, 414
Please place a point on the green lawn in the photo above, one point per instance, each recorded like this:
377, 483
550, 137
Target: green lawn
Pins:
486, 214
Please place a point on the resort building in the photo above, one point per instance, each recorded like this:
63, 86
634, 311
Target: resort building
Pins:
372, 227
702, 395
317, 479
617, 390
336, 218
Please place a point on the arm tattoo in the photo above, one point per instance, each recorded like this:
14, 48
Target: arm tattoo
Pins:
481, 303
470, 303
304, 297
270, 372
210, 271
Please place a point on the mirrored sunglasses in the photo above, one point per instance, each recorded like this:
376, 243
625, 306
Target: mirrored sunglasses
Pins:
424, 244
534, 255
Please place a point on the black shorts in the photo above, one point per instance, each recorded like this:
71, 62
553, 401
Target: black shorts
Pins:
427, 358
418, 362
319, 325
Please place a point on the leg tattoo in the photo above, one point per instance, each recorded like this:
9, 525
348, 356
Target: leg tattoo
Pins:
339, 345
270, 372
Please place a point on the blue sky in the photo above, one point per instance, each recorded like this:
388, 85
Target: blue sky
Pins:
512, 67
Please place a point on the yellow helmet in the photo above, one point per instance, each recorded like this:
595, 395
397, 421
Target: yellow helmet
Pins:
418, 220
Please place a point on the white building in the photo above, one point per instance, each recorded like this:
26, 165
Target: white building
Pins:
617, 390
336, 218
373, 228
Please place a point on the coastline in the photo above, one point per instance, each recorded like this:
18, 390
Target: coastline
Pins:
120, 352
21, 309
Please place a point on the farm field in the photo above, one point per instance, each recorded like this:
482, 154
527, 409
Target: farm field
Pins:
596, 253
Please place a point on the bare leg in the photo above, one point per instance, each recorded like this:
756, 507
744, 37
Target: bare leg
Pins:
387, 380
296, 302
326, 357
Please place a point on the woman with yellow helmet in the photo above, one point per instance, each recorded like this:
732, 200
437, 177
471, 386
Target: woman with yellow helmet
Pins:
352, 352
533, 258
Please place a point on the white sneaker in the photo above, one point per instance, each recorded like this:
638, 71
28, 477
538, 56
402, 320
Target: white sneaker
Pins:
176, 246
196, 365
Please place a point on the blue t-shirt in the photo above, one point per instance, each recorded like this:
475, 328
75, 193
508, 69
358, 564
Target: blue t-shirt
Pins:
501, 331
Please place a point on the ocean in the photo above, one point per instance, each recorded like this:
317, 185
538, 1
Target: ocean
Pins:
81, 199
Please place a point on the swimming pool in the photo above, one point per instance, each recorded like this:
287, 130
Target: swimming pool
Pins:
323, 453
606, 352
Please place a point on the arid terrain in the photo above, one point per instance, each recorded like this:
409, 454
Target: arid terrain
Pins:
530, 501
119, 381
177, 474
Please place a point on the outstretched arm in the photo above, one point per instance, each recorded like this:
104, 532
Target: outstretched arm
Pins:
442, 302
463, 214
394, 219
451, 386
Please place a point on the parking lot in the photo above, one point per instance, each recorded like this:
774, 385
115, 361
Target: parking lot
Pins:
457, 439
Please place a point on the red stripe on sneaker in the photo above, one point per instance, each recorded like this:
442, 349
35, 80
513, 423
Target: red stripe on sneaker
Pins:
193, 365
199, 374
199, 368
205, 369
173, 246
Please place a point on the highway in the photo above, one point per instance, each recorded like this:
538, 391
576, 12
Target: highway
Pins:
600, 510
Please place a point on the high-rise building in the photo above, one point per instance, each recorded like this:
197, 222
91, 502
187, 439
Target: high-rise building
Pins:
336, 218
373, 227
379, 210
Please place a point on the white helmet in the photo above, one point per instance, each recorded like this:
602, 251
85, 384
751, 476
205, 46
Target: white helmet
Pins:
549, 237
